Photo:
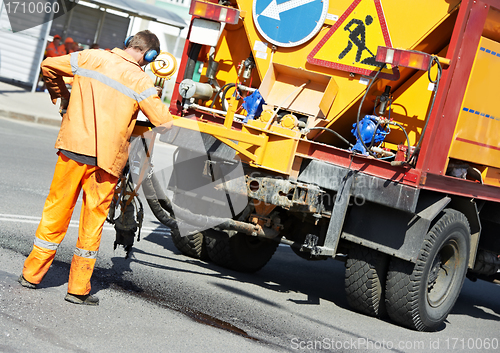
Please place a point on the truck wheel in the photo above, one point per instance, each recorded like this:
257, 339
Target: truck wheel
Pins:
422, 295
366, 271
241, 252
187, 173
191, 245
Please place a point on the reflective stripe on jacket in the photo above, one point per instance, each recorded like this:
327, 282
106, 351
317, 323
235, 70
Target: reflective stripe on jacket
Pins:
108, 90
52, 51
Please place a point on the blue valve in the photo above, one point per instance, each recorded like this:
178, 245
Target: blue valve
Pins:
367, 128
253, 105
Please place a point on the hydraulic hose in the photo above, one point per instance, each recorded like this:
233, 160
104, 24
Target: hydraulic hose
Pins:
406, 134
192, 59
333, 132
160, 212
436, 82
409, 157
359, 112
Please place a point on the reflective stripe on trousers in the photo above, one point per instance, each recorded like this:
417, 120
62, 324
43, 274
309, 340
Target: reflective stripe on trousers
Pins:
69, 179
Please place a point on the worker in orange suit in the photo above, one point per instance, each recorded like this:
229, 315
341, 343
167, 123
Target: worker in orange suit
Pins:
55, 48
109, 89
68, 47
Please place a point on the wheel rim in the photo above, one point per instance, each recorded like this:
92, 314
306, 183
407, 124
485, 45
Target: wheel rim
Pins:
443, 273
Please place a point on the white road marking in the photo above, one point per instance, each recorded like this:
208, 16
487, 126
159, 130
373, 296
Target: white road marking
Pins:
73, 224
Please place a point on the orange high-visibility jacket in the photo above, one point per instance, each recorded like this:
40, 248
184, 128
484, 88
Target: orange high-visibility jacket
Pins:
108, 90
52, 50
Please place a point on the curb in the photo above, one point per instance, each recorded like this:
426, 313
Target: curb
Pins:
30, 118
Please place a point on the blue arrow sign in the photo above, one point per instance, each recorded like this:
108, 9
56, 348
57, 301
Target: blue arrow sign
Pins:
288, 23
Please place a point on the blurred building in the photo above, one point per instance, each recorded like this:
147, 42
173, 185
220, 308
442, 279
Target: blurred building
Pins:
106, 22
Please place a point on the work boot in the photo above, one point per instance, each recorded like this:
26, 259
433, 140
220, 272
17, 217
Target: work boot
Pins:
82, 299
25, 283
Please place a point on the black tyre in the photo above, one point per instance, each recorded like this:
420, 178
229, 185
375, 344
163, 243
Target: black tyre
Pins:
365, 276
187, 175
421, 295
241, 252
190, 245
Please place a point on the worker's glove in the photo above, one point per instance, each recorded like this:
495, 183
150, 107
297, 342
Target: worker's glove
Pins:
63, 107
159, 90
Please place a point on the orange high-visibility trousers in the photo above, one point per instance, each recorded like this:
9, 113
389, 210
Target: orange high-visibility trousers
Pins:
70, 178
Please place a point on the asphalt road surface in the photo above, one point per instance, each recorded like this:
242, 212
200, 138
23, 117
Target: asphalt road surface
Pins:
161, 301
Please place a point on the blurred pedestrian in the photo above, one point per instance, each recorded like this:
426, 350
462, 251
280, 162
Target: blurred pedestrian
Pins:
68, 46
54, 48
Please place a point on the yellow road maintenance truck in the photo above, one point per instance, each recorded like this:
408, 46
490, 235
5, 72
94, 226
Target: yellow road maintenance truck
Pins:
366, 130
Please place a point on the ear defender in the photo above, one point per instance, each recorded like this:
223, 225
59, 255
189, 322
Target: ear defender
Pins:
127, 41
150, 55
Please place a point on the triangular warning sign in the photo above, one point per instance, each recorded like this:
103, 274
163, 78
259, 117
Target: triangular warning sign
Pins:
351, 44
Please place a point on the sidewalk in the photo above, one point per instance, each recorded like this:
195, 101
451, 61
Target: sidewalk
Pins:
19, 103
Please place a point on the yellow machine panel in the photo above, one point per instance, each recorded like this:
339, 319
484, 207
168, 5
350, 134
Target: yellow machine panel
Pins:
477, 137
426, 17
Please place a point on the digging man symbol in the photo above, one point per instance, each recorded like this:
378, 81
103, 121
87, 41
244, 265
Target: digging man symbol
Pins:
357, 37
